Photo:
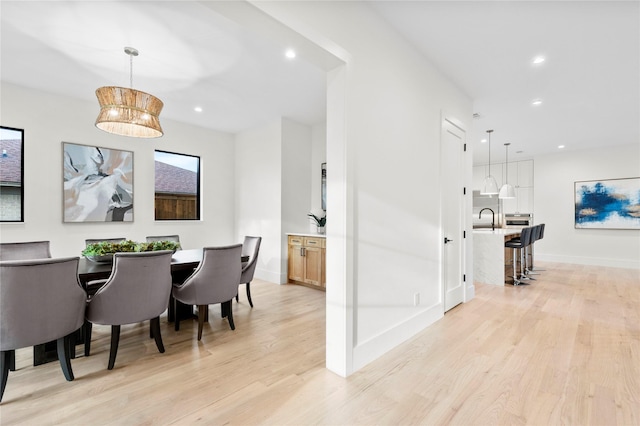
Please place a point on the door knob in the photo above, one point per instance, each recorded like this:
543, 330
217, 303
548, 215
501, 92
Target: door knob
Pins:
446, 240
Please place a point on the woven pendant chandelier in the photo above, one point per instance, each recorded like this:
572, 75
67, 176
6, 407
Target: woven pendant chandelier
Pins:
129, 112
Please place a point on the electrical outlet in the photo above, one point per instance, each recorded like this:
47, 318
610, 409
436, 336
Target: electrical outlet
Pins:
416, 299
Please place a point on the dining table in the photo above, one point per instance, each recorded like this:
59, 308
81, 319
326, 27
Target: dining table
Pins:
183, 263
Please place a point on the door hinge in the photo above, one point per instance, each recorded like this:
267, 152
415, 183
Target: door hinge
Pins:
464, 190
464, 234
464, 278
465, 147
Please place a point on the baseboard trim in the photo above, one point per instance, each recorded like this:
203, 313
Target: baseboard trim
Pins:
596, 261
377, 346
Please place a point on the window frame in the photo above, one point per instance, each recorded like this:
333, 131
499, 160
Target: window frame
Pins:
198, 186
22, 189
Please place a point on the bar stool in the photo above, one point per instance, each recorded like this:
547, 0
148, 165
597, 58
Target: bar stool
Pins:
519, 244
539, 236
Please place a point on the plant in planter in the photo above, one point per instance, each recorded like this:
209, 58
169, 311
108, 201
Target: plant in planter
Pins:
320, 221
104, 250
158, 245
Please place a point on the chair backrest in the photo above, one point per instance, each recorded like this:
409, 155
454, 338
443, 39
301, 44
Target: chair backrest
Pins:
215, 280
100, 240
541, 231
154, 238
251, 248
527, 235
137, 290
40, 300
25, 250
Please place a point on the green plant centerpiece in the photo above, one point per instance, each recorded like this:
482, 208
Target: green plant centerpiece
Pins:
104, 250
158, 245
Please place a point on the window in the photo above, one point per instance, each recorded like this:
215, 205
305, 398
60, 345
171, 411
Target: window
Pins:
177, 188
11, 174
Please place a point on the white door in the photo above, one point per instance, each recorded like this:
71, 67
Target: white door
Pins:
452, 205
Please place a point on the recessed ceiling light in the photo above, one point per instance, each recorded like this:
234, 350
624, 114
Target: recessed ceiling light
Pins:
290, 53
536, 102
198, 109
538, 60
560, 146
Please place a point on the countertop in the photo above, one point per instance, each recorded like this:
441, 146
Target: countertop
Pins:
497, 231
302, 234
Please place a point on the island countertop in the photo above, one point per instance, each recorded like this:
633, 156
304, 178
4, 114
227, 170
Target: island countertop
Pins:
497, 231
490, 258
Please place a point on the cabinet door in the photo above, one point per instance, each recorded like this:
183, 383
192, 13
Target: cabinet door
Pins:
525, 173
524, 196
479, 172
323, 268
296, 263
510, 171
313, 265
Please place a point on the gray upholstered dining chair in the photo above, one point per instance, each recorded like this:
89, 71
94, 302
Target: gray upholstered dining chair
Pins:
94, 285
137, 290
25, 250
215, 280
251, 248
41, 300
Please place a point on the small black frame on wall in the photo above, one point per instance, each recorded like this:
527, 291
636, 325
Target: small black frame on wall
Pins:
11, 174
323, 185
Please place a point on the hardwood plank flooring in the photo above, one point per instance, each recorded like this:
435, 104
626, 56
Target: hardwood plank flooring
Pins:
563, 350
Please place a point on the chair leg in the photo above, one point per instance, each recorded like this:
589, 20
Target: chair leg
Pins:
155, 333
515, 273
64, 356
523, 265
248, 285
526, 264
5, 361
176, 317
202, 311
87, 327
115, 339
229, 310
12, 360
171, 314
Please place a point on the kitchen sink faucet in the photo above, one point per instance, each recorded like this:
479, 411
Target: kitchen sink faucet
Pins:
493, 217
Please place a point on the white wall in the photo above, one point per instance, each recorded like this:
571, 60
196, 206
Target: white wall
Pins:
49, 119
273, 190
388, 238
258, 193
554, 205
296, 183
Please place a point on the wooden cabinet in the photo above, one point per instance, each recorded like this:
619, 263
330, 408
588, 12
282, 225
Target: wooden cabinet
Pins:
306, 261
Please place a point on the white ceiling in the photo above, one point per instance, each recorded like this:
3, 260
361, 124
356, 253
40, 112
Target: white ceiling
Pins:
589, 83
192, 56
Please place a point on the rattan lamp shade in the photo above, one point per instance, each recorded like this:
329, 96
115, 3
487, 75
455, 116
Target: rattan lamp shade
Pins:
129, 112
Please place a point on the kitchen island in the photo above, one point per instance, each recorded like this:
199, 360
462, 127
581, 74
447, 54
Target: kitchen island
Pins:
491, 261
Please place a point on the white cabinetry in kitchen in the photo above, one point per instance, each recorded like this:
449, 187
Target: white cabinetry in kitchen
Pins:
520, 176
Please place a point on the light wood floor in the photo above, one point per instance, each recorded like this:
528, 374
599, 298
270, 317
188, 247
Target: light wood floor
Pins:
564, 350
